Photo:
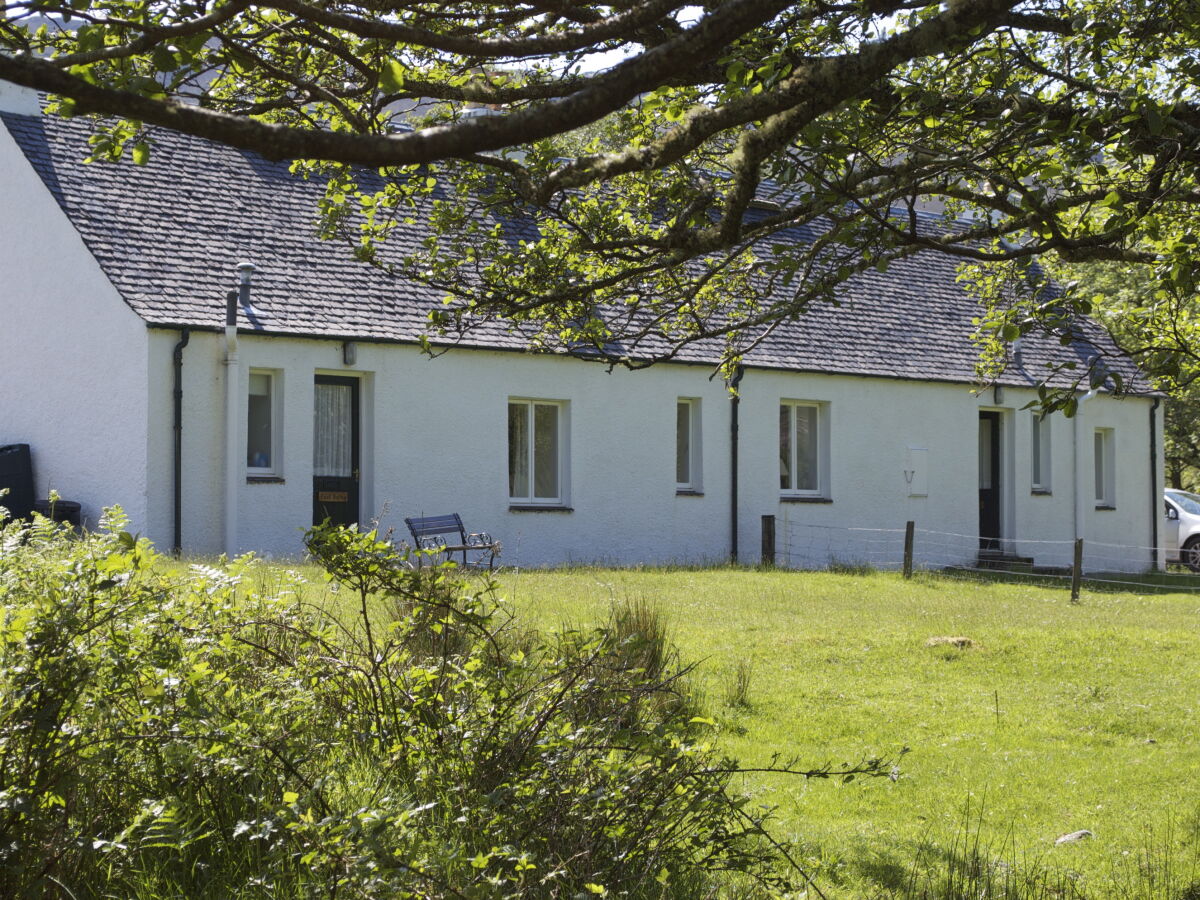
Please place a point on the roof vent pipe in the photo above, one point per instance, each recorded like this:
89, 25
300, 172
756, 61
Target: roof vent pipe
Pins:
245, 272
233, 465
240, 296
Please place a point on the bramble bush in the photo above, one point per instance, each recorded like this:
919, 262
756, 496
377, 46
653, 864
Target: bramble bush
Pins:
188, 735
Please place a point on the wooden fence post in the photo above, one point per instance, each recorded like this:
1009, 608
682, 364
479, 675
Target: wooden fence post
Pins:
768, 540
909, 529
1077, 570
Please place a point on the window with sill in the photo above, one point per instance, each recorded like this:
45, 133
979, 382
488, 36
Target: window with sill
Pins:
537, 452
687, 445
803, 449
262, 425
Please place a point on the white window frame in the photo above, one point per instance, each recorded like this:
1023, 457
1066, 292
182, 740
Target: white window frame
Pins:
563, 411
694, 482
1039, 453
275, 392
821, 491
1104, 468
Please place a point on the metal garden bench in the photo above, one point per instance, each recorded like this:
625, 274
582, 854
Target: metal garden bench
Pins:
430, 532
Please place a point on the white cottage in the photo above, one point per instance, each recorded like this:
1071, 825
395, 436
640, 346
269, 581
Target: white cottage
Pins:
118, 370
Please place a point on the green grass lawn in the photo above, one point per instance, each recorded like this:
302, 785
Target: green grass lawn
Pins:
1059, 717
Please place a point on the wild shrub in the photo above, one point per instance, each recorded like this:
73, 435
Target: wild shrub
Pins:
737, 685
639, 632
191, 736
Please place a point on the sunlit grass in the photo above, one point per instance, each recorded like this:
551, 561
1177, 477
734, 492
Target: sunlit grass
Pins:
1049, 718
1056, 717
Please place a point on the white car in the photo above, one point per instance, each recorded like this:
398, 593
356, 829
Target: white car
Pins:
1182, 528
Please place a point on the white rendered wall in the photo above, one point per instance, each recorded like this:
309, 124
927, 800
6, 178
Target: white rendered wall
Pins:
1117, 539
435, 441
874, 422
73, 368
203, 418
17, 99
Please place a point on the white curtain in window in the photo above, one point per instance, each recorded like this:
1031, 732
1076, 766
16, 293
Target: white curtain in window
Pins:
985, 454
258, 424
332, 441
806, 448
785, 447
545, 451
683, 442
1037, 450
518, 450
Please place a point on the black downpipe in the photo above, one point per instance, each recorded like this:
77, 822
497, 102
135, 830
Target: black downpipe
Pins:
1156, 501
184, 336
231, 303
734, 402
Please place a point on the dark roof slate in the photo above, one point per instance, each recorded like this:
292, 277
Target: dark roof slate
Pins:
169, 235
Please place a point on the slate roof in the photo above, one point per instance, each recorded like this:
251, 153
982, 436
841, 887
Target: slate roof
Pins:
169, 236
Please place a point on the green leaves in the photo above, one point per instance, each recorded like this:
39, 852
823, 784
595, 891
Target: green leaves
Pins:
1059, 134
174, 732
391, 76
201, 735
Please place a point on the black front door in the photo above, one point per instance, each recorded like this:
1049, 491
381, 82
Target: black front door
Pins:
335, 450
989, 481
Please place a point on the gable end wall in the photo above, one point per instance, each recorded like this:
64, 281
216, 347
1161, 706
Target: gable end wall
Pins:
73, 363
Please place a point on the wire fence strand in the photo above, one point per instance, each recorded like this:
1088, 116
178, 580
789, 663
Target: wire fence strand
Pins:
1104, 565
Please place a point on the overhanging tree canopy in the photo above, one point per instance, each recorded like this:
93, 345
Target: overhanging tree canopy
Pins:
668, 188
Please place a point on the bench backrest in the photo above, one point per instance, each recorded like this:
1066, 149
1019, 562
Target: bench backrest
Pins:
425, 526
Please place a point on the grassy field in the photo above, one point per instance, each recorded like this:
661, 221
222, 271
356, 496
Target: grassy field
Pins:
1056, 718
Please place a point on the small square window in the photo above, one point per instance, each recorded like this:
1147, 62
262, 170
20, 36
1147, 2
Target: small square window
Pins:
687, 445
262, 428
536, 457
